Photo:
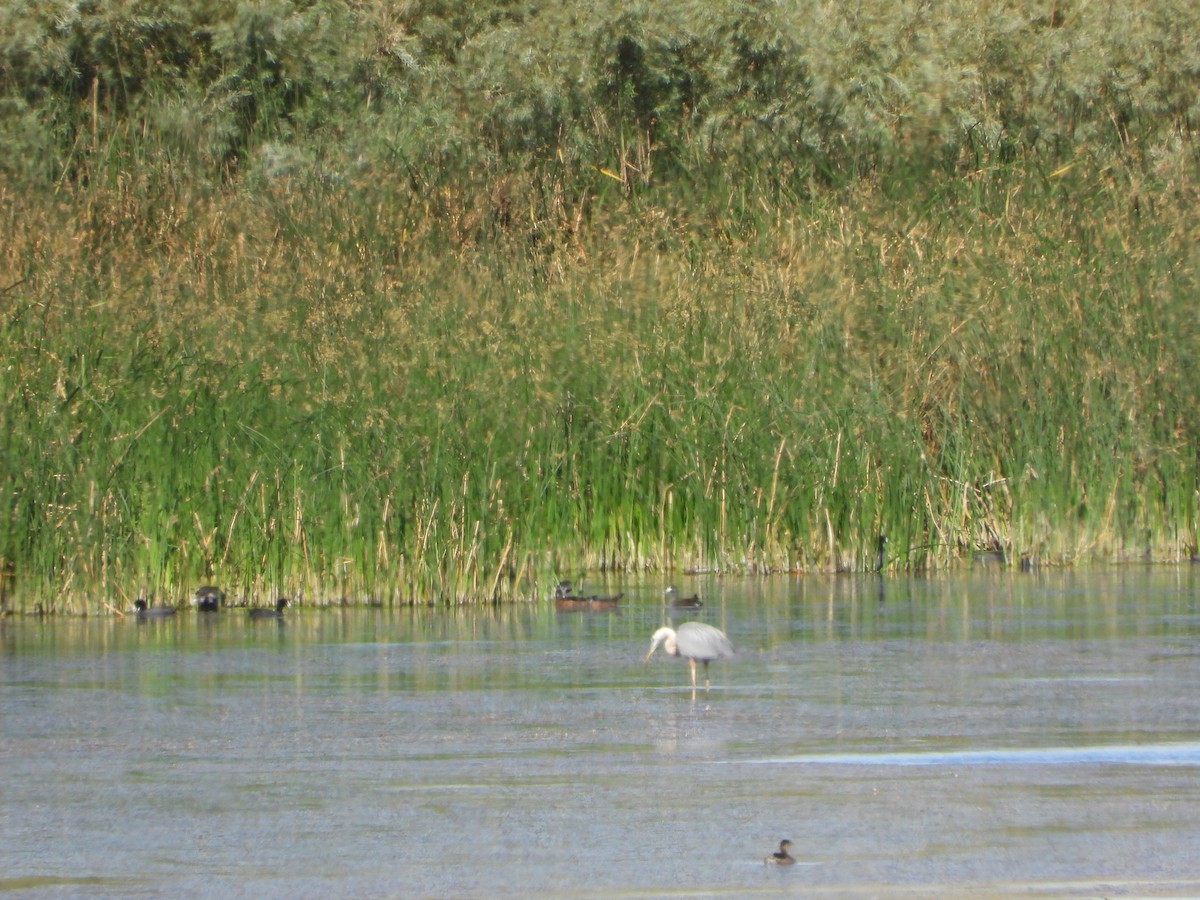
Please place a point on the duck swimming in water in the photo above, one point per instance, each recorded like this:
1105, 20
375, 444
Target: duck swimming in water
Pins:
677, 602
152, 612
780, 857
566, 599
276, 613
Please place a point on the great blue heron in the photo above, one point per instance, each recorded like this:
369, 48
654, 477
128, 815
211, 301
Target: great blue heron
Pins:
208, 598
694, 641
881, 553
152, 612
677, 602
276, 613
780, 857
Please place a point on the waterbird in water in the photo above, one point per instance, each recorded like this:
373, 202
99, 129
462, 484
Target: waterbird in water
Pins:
677, 602
152, 612
881, 553
208, 598
780, 857
276, 613
567, 600
695, 642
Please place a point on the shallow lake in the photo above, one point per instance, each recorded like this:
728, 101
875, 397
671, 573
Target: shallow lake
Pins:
986, 734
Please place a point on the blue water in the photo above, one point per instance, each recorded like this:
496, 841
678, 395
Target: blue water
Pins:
997, 733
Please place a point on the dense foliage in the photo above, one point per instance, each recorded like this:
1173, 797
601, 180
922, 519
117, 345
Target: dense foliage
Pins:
440, 300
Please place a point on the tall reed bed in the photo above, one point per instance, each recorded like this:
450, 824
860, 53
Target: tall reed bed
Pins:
604, 332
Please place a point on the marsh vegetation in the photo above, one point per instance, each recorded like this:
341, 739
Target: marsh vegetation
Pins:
439, 302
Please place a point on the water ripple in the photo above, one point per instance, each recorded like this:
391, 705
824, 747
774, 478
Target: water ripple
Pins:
1128, 754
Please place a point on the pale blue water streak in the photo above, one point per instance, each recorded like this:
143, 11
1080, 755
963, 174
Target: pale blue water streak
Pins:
1116, 754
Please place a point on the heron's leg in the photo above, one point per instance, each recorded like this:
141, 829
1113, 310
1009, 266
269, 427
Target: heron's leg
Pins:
706, 684
692, 663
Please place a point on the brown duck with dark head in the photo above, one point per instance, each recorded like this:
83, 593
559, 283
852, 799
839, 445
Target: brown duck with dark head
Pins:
780, 857
676, 602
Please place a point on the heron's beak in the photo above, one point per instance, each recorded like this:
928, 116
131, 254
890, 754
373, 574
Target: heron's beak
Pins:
653, 647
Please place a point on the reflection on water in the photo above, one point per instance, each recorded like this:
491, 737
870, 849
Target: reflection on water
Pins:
906, 735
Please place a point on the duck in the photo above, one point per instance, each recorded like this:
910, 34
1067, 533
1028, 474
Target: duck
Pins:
780, 857
208, 598
677, 602
152, 612
566, 600
276, 613
591, 603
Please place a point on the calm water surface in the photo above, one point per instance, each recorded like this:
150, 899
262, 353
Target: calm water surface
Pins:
988, 734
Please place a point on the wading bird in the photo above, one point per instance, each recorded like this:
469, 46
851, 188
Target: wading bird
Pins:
208, 598
695, 642
677, 602
780, 857
152, 612
276, 613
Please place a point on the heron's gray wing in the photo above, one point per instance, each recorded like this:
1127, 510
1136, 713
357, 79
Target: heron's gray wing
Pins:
697, 640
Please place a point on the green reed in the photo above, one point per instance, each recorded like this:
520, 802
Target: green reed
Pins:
473, 433
578, 328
